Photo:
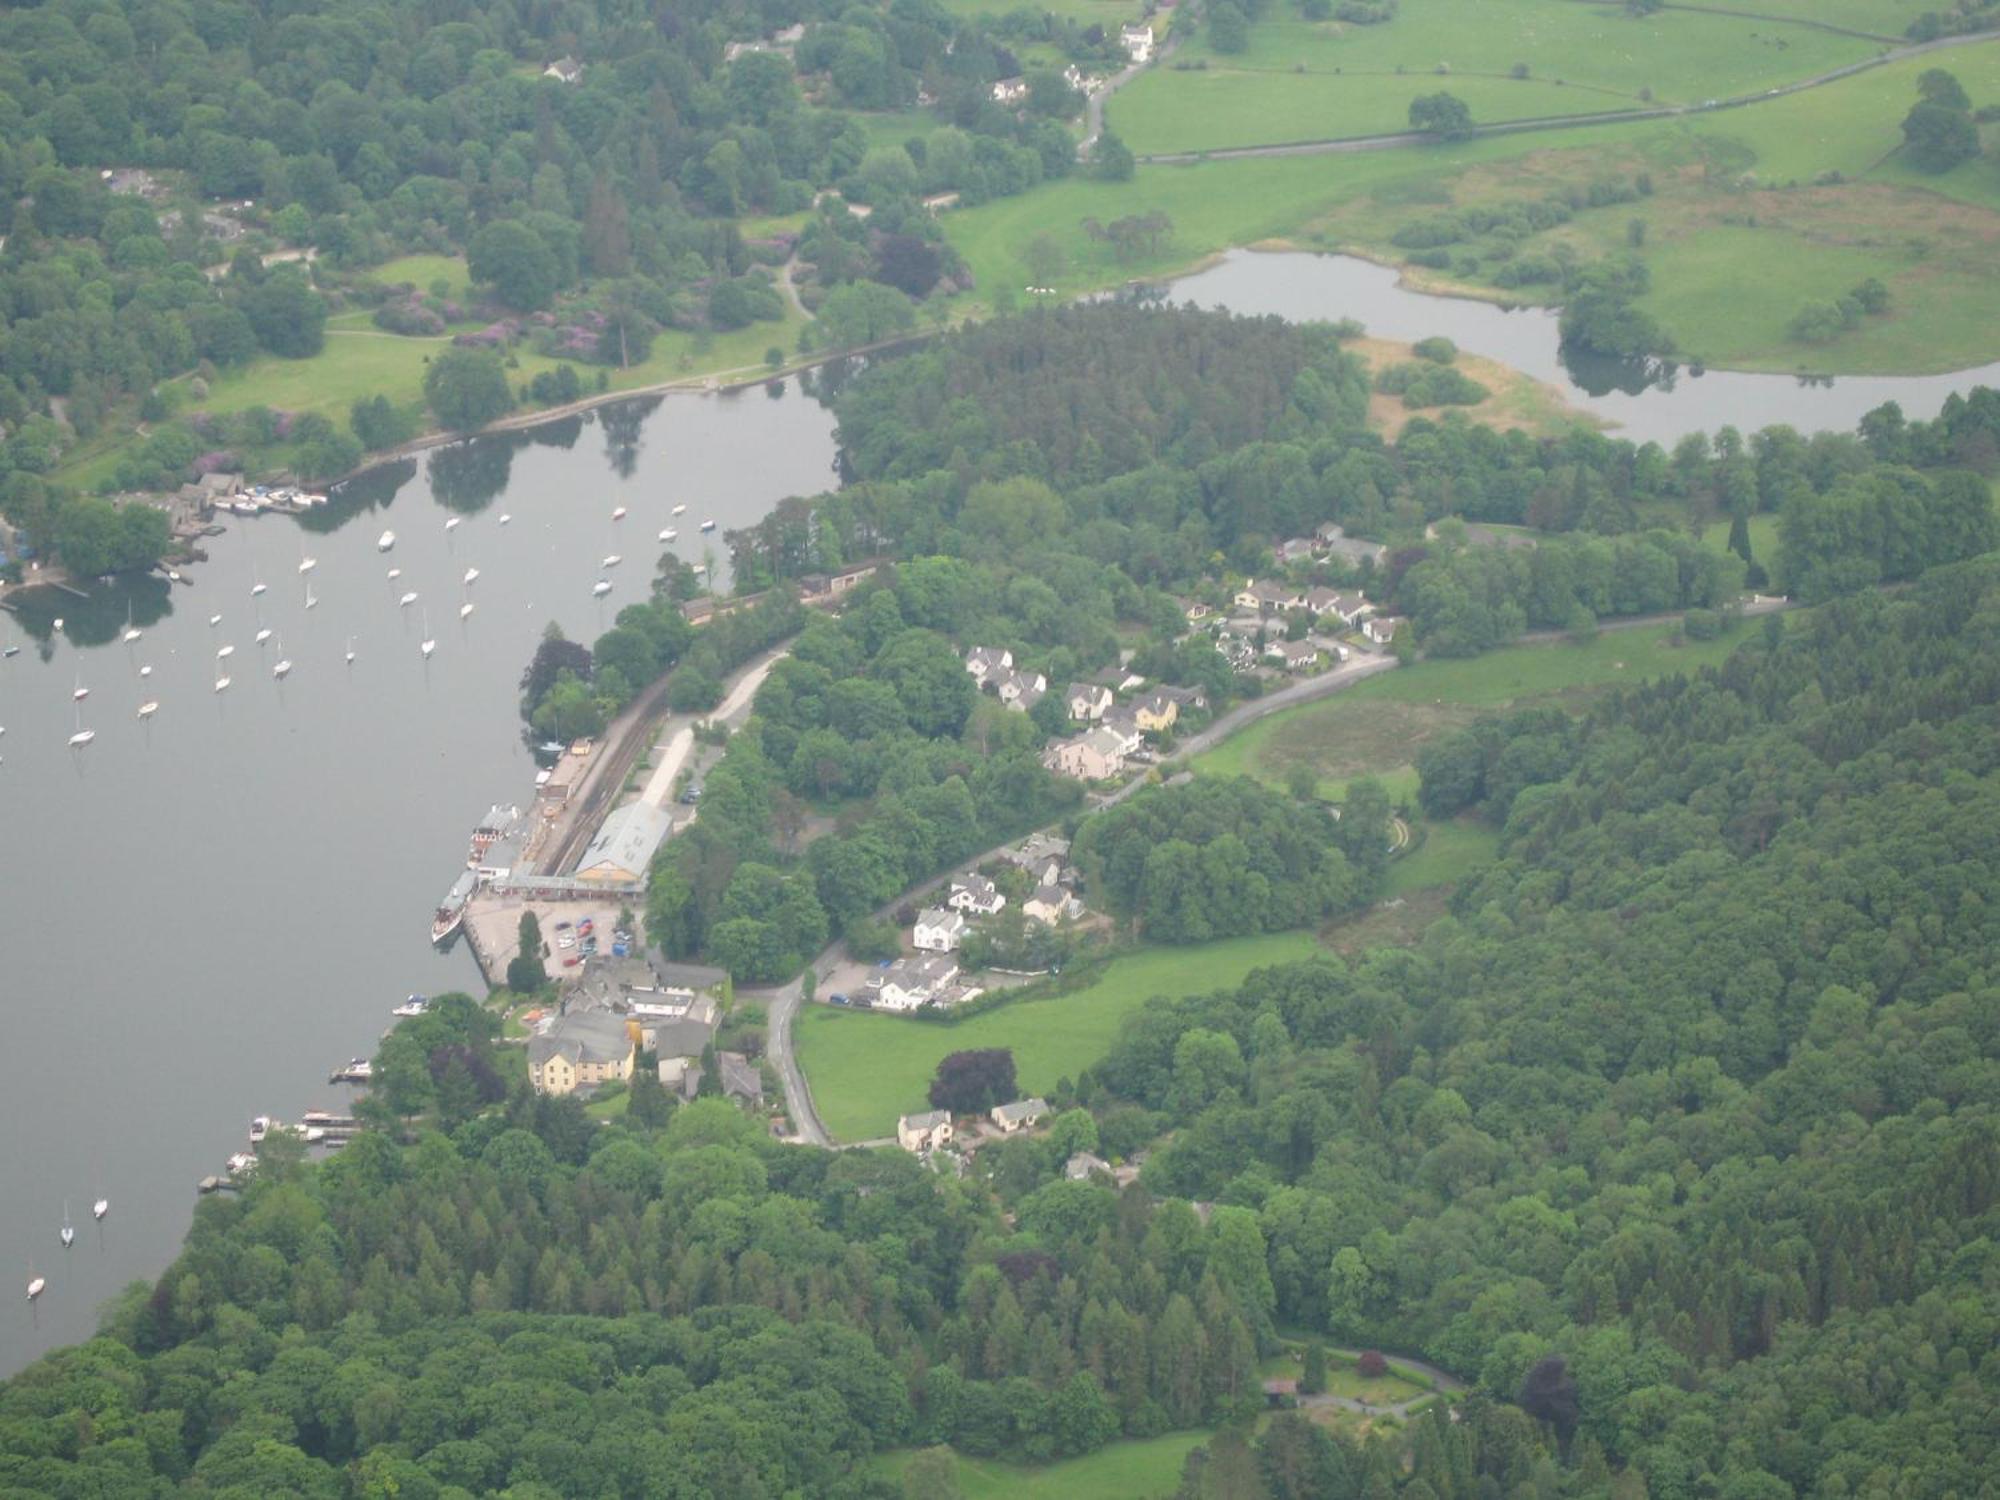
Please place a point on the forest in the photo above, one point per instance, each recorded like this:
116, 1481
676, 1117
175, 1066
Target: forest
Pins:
1676, 1138
186, 188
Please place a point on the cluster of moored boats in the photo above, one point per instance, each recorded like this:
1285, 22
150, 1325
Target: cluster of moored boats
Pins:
37, 1284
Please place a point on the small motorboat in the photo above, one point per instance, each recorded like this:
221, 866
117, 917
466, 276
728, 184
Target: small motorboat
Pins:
10, 649
263, 635
81, 738
146, 671
407, 600
505, 517
708, 525
465, 610
222, 683
669, 534
307, 564
600, 588
80, 692
680, 510
385, 541
452, 523
150, 707
36, 1286
240, 1162
132, 633
257, 588
223, 653
618, 513
100, 1208
282, 668
472, 575
613, 559
215, 619
416, 1005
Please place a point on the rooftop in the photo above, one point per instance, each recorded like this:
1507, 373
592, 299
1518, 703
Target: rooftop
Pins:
627, 840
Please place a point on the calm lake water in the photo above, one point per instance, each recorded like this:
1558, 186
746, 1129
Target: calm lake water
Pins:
204, 914
1645, 401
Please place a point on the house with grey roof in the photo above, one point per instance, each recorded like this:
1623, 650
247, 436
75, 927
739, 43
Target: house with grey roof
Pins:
1085, 1165
924, 1132
988, 661
580, 1050
1019, 1114
975, 895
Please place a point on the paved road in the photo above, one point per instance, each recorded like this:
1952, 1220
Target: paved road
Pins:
1397, 139
1093, 103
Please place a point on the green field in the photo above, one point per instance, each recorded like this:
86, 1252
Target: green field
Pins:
1147, 1469
866, 1069
1451, 851
1302, 80
1373, 727
421, 270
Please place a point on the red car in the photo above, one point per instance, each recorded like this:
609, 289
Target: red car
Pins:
570, 960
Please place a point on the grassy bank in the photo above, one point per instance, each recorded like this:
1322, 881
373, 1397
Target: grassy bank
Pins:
1147, 1469
866, 1069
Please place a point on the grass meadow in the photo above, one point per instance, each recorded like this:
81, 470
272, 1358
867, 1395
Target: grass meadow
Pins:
865, 1068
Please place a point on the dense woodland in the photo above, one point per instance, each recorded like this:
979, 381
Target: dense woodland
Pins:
284, 152
1677, 1138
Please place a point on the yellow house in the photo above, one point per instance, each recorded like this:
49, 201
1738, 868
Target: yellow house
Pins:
581, 1051
1155, 711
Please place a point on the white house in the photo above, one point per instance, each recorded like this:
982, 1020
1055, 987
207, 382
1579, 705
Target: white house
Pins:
1122, 725
1010, 90
924, 1132
1269, 597
1381, 629
1019, 1115
1088, 701
939, 930
910, 982
975, 894
1293, 656
1138, 42
986, 661
1021, 691
564, 70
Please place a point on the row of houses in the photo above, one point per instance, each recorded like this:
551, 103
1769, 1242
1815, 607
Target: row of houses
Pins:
597, 1038
1118, 729
933, 1129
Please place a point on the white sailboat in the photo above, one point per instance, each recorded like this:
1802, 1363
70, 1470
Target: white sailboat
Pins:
465, 610
36, 1284
81, 691
223, 653
669, 534
452, 523
283, 666
618, 513
613, 559
394, 574
132, 631
350, 650
82, 736
263, 635
12, 648
407, 600
146, 671
150, 707
600, 588
708, 525
680, 510
311, 598
257, 585
222, 683
307, 564
215, 619
100, 1208
472, 575
68, 1235
505, 518
427, 645
385, 541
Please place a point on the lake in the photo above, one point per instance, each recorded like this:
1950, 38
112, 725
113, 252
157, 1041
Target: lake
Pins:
206, 912
1645, 402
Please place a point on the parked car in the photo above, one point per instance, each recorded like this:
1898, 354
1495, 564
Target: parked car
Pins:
836, 999
692, 795
570, 961
565, 941
562, 926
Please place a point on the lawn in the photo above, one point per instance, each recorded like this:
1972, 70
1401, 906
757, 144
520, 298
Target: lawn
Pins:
1302, 80
1451, 850
866, 1069
1110, 14
1147, 1469
421, 270
1376, 725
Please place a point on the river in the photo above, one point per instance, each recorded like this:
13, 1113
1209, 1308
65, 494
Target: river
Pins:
206, 912
1644, 402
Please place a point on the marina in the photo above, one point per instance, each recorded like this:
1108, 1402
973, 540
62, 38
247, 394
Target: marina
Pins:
358, 778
